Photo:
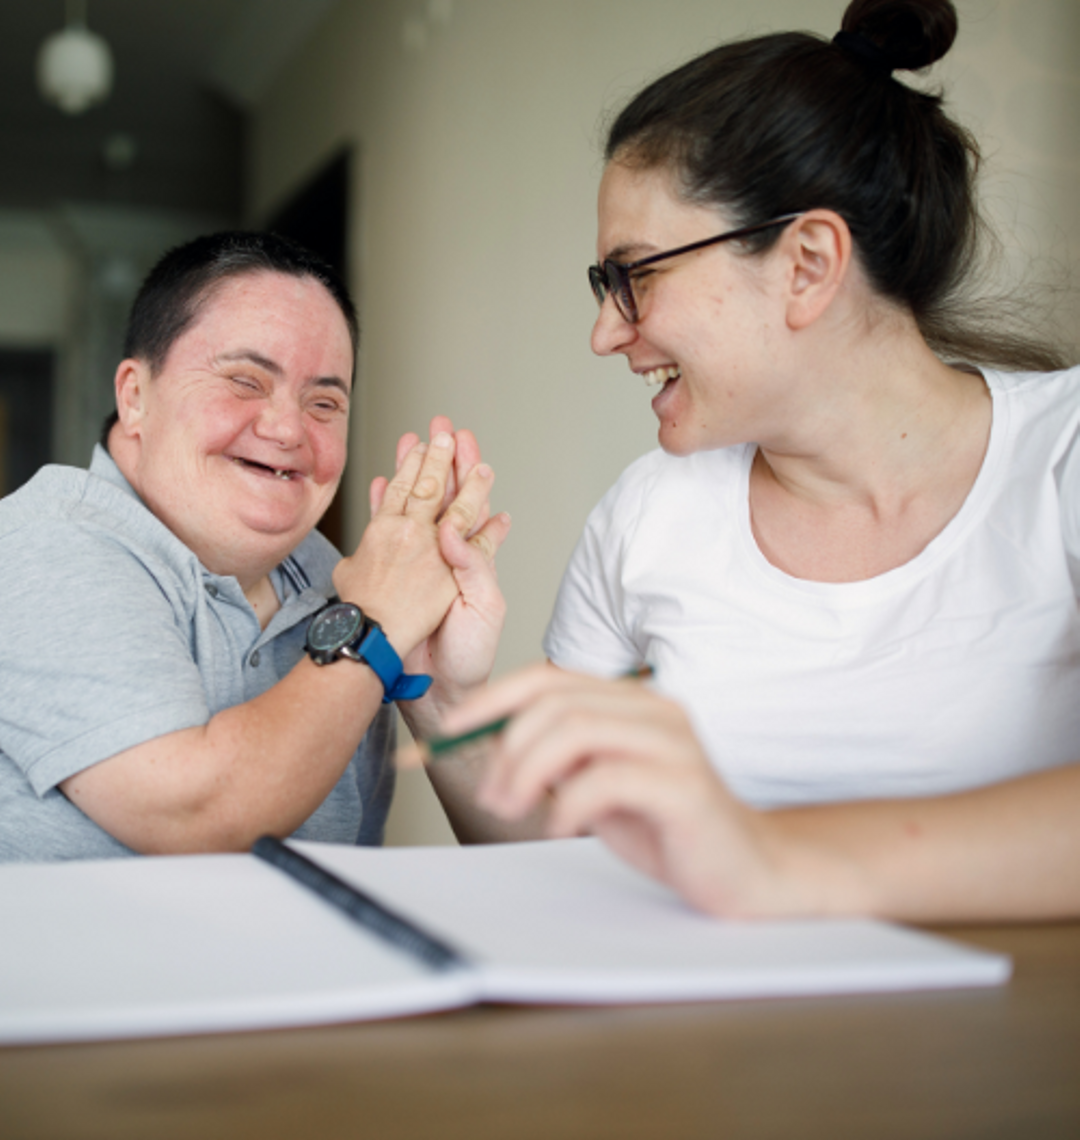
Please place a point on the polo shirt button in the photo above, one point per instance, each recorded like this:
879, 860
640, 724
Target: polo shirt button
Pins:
255, 658
211, 589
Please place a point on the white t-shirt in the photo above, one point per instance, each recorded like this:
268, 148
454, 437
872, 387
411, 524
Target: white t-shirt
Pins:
959, 668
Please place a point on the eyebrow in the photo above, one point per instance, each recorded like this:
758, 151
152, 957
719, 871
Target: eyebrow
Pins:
630, 251
256, 358
275, 369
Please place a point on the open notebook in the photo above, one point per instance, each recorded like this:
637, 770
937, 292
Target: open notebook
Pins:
210, 943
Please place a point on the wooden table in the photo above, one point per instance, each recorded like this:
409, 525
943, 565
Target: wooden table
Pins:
1002, 1063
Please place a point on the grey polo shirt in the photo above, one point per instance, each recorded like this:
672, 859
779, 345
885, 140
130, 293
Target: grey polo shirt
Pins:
113, 633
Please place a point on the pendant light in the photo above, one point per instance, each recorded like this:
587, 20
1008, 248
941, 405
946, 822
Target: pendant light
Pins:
74, 66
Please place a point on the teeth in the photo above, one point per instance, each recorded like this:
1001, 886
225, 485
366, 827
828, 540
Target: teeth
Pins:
279, 472
658, 375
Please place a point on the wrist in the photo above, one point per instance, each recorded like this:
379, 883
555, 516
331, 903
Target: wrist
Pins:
811, 878
425, 714
395, 629
342, 630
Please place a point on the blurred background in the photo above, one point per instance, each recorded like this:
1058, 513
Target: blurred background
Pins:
445, 155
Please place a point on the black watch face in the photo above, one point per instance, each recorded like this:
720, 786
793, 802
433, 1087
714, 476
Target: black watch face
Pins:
334, 627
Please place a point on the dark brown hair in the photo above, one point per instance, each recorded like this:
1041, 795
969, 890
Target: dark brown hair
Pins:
188, 276
790, 122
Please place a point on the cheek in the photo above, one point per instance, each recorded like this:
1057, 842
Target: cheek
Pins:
213, 424
329, 445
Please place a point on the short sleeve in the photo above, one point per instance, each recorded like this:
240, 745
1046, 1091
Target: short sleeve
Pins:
592, 626
1069, 492
1067, 472
95, 654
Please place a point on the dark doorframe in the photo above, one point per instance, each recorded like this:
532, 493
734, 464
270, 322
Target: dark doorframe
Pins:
317, 217
26, 414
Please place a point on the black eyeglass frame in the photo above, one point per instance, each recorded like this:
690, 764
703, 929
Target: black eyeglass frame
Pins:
612, 278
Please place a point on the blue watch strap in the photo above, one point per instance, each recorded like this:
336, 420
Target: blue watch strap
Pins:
382, 658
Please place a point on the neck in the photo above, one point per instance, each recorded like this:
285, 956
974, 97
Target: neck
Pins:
876, 421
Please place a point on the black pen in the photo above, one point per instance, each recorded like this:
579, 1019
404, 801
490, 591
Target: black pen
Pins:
360, 907
437, 746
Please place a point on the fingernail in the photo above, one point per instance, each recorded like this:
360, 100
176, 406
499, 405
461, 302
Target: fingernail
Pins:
484, 471
443, 439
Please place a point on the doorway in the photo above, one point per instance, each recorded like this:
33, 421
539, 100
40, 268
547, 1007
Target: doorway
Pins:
317, 217
26, 414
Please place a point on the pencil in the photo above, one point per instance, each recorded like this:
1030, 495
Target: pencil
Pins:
438, 746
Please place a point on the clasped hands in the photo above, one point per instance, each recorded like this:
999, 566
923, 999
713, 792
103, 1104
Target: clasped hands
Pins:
425, 566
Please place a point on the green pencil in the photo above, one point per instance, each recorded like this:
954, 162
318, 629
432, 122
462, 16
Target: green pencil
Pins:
439, 746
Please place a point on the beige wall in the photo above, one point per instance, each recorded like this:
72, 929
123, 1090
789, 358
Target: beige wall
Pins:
475, 211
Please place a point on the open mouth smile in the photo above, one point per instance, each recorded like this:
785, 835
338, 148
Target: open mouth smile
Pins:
661, 375
285, 473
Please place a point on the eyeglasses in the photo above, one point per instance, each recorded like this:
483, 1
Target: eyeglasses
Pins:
614, 278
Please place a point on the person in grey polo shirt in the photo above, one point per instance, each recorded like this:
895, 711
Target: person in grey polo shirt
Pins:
155, 692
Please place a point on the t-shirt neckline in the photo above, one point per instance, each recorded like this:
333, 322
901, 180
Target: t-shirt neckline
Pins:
937, 550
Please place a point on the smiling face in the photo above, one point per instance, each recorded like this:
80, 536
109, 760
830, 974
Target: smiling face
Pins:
239, 442
709, 320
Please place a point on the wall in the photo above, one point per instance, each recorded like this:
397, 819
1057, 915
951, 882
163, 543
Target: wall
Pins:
68, 275
477, 124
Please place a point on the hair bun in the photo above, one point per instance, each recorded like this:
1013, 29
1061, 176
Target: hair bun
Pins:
912, 34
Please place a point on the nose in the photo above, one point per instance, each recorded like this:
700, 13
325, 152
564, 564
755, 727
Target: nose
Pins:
281, 421
612, 332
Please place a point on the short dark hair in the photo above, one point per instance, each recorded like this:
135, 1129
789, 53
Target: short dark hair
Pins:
188, 276
790, 122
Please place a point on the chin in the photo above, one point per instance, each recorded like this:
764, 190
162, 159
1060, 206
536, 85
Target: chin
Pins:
675, 444
278, 529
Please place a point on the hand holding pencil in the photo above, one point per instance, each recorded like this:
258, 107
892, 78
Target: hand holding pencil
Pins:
441, 746
614, 759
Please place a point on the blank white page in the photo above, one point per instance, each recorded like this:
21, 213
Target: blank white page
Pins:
566, 921
190, 944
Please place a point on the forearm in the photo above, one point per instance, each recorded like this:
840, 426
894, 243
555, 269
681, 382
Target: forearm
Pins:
1009, 851
626, 765
260, 767
456, 781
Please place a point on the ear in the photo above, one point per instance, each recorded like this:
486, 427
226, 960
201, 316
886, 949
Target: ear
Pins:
131, 383
819, 248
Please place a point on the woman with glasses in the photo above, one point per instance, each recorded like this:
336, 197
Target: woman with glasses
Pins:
855, 560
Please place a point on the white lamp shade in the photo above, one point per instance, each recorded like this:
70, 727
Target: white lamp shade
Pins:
74, 69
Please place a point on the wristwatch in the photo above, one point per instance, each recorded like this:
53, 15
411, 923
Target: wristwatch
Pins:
341, 629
